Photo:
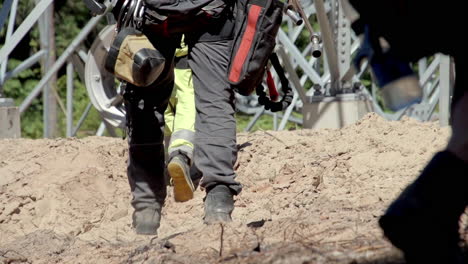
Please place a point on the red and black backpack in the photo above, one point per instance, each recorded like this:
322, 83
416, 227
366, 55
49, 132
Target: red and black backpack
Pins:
257, 24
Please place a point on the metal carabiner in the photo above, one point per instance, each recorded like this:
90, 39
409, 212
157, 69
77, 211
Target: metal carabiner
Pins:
122, 15
138, 15
129, 15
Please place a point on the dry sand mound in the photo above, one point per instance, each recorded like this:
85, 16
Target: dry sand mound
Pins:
310, 196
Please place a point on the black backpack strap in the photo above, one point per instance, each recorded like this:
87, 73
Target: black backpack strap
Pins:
288, 93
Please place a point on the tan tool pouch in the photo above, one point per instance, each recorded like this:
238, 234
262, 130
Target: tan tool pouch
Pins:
132, 58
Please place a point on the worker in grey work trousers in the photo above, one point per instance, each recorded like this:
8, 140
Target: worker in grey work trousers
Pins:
215, 139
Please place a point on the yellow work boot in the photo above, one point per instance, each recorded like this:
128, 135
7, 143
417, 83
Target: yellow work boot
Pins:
179, 171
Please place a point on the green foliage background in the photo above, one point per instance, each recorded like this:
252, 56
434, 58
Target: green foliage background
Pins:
70, 17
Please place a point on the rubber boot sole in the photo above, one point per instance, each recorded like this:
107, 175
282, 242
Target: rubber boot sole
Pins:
183, 186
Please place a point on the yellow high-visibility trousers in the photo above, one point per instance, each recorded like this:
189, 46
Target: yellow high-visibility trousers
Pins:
180, 115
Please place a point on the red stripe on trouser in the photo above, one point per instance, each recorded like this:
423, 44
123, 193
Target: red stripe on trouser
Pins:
246, 43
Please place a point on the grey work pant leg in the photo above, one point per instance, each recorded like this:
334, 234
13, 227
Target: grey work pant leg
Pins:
215, 138
145, 108
145, 168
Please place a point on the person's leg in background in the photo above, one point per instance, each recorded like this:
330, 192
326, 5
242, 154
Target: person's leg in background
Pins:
215, 140
181, 131
169, 115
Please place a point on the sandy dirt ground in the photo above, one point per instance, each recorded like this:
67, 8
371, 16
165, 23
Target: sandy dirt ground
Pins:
310, 196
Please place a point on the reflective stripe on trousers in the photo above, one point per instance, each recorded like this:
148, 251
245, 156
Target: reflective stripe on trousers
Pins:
180, 114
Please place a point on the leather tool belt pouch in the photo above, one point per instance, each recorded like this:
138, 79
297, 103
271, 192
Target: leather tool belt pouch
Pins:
134, 59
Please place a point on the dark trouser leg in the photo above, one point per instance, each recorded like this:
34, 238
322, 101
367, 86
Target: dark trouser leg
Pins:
145, 108
424, 220
458, 143
146, 157
215, 140
146, 152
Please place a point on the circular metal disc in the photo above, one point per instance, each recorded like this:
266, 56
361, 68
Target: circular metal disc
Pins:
103, 88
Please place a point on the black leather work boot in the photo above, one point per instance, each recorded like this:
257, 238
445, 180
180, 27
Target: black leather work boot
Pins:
144, 111
424, 220
146, 177
146, 221
219, 204
179, 170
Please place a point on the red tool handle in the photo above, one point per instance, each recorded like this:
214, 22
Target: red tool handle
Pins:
271, 87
